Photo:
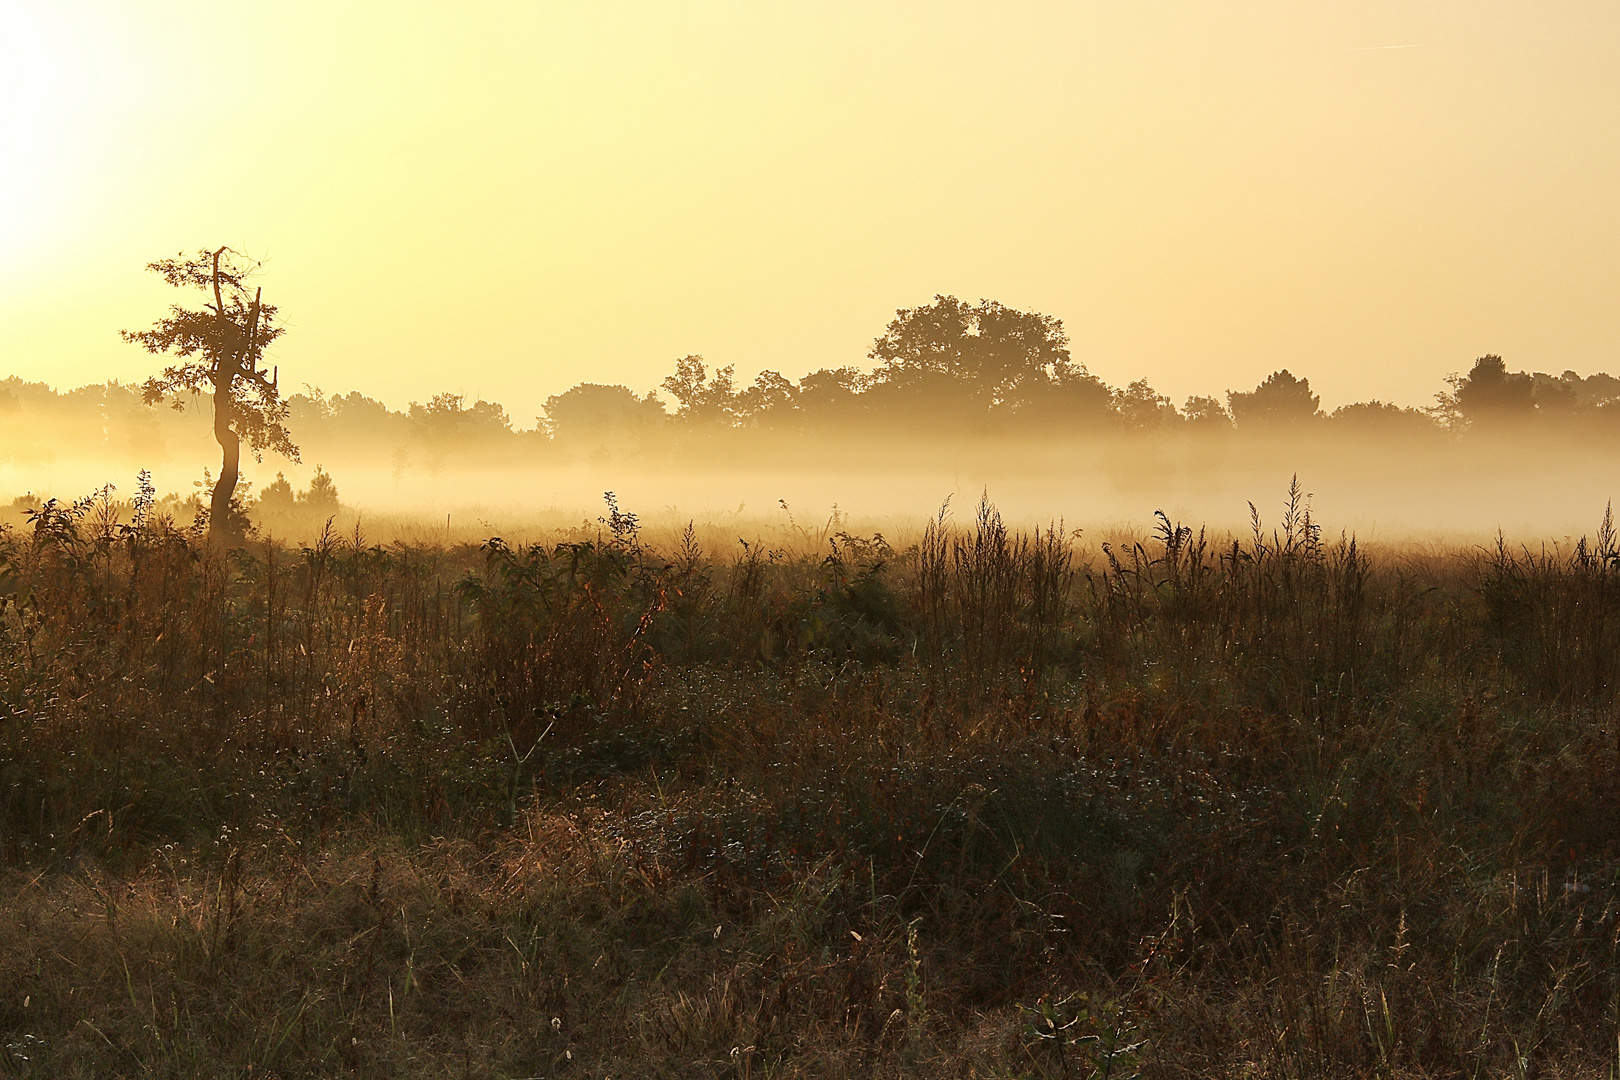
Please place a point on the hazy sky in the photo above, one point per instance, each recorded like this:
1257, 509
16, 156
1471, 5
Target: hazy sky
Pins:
505, 199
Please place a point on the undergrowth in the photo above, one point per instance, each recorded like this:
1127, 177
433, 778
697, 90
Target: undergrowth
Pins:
993, 804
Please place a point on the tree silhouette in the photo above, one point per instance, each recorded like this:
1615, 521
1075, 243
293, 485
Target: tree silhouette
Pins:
829, 397
1072, 399
221, 348
322, 496
1490, 395
1142, 407
446, 420
770, 399
1281, 399
1206, 414
702, 400
278, 496
986, 353
1382, 419
591, 410
1556, 397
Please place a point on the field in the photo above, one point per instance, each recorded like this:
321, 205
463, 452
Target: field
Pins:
985, 802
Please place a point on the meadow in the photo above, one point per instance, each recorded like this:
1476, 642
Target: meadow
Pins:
978, 802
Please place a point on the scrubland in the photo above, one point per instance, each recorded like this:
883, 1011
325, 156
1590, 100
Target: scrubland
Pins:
970, 800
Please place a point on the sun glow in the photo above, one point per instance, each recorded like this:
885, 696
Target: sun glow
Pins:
507, 199
61, 89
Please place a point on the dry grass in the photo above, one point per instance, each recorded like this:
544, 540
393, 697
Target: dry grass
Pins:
986, 806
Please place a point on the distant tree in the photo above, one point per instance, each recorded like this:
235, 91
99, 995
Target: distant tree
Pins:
1381, 418
769, 399
445, 420
1206, 414
1072, 399
1594, 389
1555, 396
830, 395
278, 497
355, 407
351, 418
1280, 400
308, 410
222, 349
590, 410
702, 400
985, 353
322, 496
1490, 395
1142, 407
490, 417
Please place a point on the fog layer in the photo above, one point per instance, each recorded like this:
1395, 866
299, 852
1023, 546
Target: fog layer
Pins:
1530, 455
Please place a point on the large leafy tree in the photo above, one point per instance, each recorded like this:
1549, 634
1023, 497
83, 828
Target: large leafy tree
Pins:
985, 353
221, 349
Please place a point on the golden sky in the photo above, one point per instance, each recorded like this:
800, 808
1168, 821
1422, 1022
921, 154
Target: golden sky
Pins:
504, 199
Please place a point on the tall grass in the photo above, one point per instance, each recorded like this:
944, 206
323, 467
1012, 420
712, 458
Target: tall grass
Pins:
992, 604
1554, 615
991, 804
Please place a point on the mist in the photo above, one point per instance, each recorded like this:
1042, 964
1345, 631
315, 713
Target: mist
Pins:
1529, 462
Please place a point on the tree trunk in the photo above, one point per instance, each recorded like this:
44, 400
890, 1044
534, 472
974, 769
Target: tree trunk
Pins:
221, 527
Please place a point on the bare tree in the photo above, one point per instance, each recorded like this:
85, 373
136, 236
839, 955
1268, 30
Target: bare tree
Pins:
222, 351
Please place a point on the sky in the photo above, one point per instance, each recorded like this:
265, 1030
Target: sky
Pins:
504, 199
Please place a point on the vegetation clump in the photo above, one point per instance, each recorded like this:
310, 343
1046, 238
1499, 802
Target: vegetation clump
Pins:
987, 803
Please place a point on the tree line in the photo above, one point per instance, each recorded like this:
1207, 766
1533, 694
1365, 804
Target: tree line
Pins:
1487, 397
965, 367
945, 368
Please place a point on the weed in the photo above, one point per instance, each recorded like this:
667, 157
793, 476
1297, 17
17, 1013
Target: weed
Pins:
852, 809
